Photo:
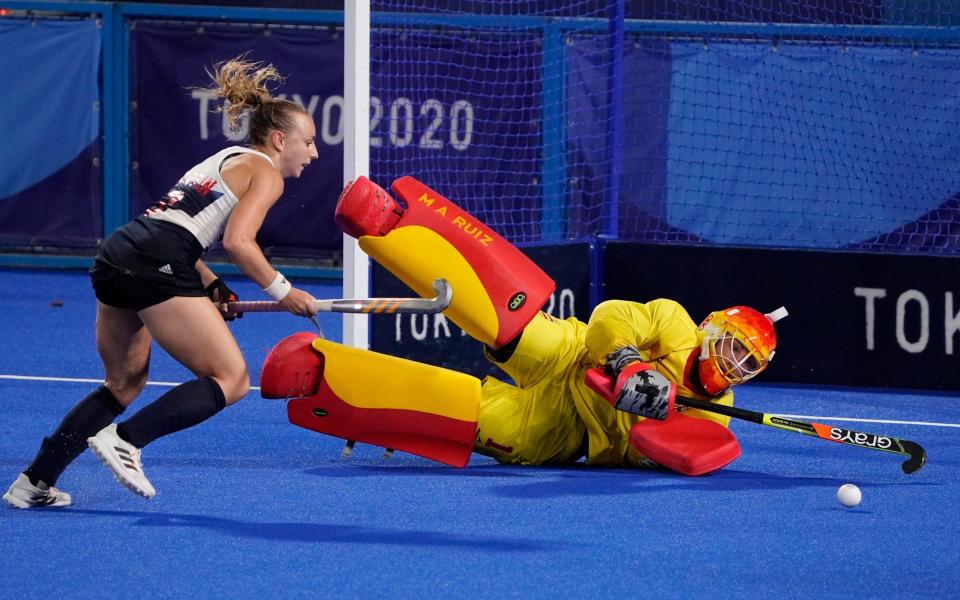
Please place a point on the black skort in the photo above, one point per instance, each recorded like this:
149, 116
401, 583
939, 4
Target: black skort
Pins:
146, 262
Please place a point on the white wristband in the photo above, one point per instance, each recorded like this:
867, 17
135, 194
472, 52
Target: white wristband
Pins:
279, 289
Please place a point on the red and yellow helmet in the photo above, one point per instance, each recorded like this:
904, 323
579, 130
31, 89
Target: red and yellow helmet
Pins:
738, 344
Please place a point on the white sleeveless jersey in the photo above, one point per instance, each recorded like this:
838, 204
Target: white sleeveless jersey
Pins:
201, 202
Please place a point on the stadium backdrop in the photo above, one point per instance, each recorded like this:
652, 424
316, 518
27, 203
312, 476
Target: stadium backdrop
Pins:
872, 304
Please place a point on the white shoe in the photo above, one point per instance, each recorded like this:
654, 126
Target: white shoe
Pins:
23, 494
123, 458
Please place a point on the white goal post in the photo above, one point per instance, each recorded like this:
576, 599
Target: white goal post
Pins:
356, 155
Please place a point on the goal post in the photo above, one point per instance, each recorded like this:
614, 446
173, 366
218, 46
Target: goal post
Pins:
356, 155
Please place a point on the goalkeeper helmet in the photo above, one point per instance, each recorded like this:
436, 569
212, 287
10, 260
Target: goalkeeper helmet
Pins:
738, 344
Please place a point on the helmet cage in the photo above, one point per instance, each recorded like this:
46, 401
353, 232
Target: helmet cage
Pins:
737, 345
734, 357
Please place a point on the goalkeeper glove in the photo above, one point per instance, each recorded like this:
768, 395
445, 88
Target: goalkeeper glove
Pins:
638, 389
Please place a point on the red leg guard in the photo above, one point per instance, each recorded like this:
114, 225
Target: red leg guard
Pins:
374, 398
439, 438
685, 444
420, 236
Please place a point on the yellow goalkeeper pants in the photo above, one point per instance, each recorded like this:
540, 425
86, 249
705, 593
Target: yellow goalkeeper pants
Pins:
535, 422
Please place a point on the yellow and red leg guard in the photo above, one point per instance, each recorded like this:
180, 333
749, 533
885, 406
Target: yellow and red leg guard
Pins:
374, 398
685, 444
497, 290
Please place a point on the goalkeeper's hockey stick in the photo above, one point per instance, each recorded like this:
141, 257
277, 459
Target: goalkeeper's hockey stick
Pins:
917, 457
364, 305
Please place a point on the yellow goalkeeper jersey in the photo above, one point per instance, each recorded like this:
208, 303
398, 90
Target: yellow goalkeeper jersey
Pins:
544, 417
667, 338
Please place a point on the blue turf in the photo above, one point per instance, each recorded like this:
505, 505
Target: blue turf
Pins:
251, 506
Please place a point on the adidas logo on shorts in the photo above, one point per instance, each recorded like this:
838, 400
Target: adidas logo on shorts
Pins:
166, 269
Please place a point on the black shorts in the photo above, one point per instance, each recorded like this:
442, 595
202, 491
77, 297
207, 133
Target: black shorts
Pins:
126, 291
146, 262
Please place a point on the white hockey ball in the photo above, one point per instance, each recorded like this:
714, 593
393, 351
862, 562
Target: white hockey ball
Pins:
849, 495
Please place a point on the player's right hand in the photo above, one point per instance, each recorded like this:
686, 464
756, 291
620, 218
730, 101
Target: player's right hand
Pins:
300, 303
641, 391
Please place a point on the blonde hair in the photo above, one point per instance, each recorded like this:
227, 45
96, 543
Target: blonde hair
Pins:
243, 84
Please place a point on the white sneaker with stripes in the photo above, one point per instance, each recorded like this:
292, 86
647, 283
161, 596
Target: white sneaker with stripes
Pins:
23, 494
123, 458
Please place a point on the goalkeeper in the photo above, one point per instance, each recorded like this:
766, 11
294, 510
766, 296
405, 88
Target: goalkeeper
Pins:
560, 408
650, 351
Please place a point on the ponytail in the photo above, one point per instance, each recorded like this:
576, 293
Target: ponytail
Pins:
243, 85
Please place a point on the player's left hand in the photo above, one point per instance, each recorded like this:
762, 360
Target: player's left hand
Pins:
620, 358
220, 294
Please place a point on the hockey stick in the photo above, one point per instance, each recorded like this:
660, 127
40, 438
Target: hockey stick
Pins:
364, 305
917, 457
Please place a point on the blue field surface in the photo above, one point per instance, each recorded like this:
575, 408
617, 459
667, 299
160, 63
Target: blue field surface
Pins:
249, 506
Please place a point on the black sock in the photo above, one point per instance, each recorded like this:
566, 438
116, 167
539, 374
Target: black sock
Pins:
184, 406
84, 420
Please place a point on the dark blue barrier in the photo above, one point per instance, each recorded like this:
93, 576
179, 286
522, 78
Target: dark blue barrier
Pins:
855, 319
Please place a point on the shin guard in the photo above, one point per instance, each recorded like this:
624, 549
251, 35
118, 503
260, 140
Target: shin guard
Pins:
497, 290
374, 398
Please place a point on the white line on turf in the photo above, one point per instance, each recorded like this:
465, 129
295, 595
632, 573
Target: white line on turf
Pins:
85, 380
253, 387
861, 420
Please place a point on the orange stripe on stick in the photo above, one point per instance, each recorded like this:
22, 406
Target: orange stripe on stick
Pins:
824, 432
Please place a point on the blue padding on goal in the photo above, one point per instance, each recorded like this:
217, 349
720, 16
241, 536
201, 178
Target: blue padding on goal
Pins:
51, 106
809, 145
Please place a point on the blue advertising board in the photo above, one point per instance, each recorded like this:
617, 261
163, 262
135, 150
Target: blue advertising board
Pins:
459, 126
173, 125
